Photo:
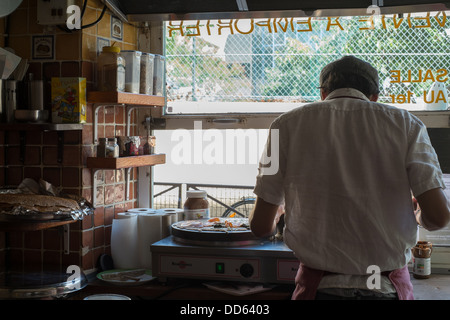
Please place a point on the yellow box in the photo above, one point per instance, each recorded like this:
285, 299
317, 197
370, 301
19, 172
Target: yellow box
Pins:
69, 100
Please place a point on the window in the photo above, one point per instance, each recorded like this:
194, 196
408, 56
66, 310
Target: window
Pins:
273, 65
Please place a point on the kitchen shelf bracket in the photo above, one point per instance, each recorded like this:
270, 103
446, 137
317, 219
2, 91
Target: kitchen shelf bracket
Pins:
66, 231
95, 109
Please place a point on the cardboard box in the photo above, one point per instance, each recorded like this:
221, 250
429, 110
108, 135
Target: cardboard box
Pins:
68, 100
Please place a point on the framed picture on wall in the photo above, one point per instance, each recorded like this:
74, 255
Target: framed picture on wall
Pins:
116, 28
43, 47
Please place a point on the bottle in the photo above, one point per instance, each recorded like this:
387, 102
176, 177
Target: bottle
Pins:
422, 260
101, 148
112, 148
196, 205
111, 70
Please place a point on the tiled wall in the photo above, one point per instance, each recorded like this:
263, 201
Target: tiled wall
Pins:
75, 55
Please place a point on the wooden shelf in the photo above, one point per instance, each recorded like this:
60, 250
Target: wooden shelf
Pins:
17, 224
125, 162
23, 126
111, 97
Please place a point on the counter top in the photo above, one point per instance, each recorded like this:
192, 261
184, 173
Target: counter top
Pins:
437, 287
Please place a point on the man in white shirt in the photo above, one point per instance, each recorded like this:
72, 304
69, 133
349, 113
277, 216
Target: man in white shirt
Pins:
346, 168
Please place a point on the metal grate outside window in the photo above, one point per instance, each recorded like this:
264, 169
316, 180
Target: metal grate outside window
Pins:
268, 66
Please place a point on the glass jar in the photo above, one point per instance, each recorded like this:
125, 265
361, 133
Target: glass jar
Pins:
110, 70
112, 148
422, 259
101, 148
196, 205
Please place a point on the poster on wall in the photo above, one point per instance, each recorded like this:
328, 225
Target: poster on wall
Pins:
43, 47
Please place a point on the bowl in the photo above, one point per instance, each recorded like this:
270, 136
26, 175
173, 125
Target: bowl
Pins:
31, 115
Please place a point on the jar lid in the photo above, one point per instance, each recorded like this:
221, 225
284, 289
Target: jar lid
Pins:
196, 194
111, 49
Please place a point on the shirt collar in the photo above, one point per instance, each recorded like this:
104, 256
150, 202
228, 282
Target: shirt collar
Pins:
347, 93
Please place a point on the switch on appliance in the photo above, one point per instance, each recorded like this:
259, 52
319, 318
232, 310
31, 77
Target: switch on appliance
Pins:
53, 12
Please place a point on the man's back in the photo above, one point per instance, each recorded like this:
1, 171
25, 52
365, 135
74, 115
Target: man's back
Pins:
346, 165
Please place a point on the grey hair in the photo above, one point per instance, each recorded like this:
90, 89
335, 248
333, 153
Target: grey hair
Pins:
350, 72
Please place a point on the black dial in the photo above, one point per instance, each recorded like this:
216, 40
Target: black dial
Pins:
246, 270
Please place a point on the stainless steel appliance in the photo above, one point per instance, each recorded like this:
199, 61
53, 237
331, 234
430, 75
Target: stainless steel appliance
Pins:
199, 255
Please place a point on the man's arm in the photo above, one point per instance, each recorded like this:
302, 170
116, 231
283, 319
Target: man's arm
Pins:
434, 213
264, 218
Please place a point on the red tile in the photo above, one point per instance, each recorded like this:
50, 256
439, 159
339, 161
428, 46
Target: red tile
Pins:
70, 177
86, 151
14, 176
99, 196
119, 192
33, 240
72, 155
51, 69
70, 69
87, 261
34, 173
99, 216
119, 114
72, 137
109, 195
109, 215
52, 239
109, 176
32, 260
50, 155
99, 236
75, 240
50, 138
87, 135
52, 175
87, 70
109, 114
110, 131
86, 179
52, 258
13, 157
33, 137
87, 238
32, 155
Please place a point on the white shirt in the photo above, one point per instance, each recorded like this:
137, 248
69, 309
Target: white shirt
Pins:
347, 167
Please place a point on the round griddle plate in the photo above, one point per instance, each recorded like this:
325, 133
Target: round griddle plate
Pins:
34, 285
213, 238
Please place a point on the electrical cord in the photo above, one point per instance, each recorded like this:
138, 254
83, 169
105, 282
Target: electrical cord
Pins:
83, 9
97, 21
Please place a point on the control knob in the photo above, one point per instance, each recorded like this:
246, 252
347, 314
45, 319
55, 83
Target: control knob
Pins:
246, 270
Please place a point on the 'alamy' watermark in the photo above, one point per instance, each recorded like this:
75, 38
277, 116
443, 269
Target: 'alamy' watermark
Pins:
226, 147
74, 19
374, 280
74, 280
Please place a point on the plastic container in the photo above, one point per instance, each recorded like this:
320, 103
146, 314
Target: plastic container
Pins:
110, 70
132, 70
196, 206
158, 75
422, 260
147, 66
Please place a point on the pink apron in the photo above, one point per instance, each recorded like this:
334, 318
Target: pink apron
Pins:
307, 281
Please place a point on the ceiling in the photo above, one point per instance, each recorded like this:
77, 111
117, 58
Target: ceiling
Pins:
164, 10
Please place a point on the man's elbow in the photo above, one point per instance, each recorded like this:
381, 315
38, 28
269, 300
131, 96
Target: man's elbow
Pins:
437, 223
260, 231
